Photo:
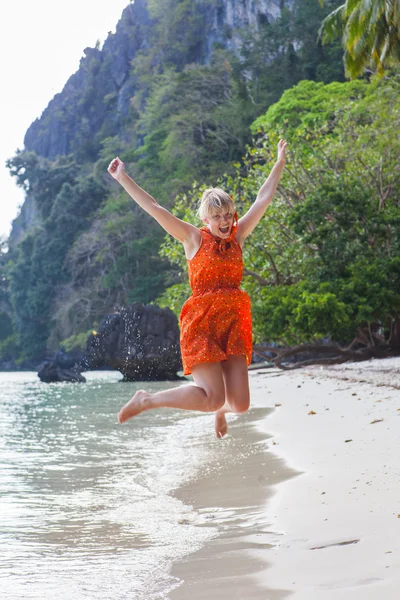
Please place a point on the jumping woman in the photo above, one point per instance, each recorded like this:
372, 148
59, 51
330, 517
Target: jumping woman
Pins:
216, 334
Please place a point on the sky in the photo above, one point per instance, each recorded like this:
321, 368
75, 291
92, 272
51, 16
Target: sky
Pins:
41, 44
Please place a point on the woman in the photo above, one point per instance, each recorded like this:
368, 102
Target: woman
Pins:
216, 319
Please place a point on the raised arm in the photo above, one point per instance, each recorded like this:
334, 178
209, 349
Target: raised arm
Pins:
264, 196
182, 231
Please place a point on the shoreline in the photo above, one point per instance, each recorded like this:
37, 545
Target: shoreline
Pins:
328, 526
228, 566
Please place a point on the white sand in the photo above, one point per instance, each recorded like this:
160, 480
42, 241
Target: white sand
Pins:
339, 521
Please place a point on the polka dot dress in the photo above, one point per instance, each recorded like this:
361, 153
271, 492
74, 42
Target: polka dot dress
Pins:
216, 319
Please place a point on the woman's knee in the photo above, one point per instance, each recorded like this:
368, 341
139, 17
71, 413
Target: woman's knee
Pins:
209, 378
215, 400
240, 405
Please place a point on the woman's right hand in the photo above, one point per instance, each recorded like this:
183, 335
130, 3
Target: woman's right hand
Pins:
116, 168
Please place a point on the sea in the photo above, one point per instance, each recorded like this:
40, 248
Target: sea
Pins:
87, 506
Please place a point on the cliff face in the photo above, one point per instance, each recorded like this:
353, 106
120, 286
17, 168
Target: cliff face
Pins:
96, 99
238, 14
95, 103
78, 114
28, 217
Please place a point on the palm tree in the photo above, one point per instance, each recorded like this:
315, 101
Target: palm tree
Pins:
370, 31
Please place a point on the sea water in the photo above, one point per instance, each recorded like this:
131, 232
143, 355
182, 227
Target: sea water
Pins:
87, 509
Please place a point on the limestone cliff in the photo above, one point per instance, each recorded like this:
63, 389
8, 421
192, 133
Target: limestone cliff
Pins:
95, 103
96, 99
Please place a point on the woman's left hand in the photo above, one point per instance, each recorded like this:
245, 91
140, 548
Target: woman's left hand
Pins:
282, 150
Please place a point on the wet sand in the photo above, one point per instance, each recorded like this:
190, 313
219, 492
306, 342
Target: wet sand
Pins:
313, 511
234, 500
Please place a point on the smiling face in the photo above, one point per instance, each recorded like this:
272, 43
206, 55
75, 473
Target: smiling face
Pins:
220, 223
217, 212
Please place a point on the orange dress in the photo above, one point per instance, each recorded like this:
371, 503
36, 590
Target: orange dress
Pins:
216, 319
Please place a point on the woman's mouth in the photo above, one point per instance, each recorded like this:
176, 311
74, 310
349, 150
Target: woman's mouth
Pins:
224, 230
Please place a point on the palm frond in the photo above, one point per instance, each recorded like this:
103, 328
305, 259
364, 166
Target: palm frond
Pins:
370, 31
389, 10
352, 5
362, 46
332, 26
356, 28
354, 67
378, 8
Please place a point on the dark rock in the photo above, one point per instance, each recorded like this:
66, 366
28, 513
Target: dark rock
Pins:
65, 366
51, 372
140, 341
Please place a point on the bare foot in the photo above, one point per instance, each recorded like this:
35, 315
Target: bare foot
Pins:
221, 428
135, 406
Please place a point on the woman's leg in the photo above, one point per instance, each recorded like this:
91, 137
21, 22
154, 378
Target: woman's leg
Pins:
207, 394
237, 392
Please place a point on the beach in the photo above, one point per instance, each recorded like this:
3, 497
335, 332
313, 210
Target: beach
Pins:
300, 500
314, 512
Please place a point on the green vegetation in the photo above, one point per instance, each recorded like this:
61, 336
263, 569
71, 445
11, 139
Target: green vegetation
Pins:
325, 260
196, 119
37, 268
77, 341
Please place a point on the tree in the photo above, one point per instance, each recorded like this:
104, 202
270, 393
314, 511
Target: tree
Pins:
370, 32
111, 264
194, 124
7, 337
41, 177
39, 266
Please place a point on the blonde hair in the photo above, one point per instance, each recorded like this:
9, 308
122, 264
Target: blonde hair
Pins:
213, 201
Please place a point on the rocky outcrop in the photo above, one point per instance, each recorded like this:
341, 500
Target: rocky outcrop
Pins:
63, 367
50, 372
140, 341
96, 99
228, 18
28, 217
